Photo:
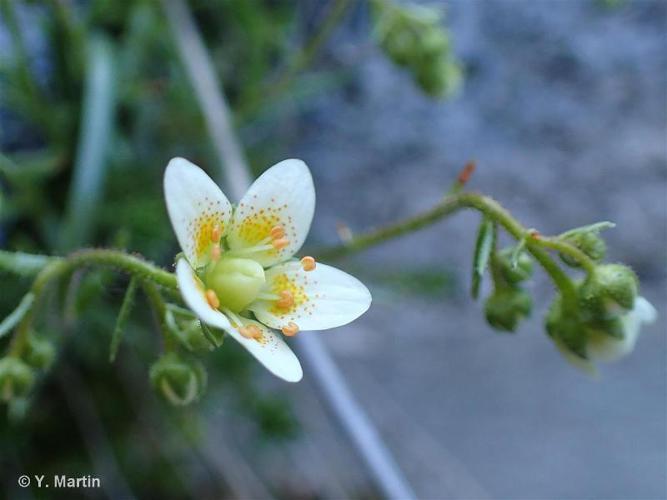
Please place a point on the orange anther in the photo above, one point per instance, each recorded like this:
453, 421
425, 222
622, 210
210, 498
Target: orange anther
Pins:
250, 331
280, 243
216, 251
308, 263
212, 299
291, 329
277, 232
286, 300
216, 233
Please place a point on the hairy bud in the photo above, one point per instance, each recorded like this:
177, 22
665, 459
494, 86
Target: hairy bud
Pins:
180, 381
514, 272
40, 352
412, 36
16, 378
589, 243
608, 292
506, 307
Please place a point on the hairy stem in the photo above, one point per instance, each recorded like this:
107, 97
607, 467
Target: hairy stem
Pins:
449, 205
56, 267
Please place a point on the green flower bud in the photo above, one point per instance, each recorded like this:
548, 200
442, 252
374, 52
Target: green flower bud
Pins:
506, 307
518, 273
588, 242
608, 292
566, 330
16, 378
583, 343
180, 381
236, 281
40, 352
400, 47
412, 36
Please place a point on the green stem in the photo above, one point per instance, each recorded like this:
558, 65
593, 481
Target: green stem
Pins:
159, 308
447, 206
56, 267
131, 264
566, 248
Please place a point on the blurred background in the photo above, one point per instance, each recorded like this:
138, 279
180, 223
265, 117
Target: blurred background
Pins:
562, 106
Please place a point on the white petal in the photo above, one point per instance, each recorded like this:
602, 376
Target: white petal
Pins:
603, 347
607, 348
323, 298
195, 205
645, 310
192, 291
283, 195
270, 350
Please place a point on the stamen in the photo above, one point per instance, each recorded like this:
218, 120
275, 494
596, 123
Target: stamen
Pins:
291, 329
236, 320
308, 263
255, 249
212, 299
280, 243
216, 251
216, 233
277, 232
286, 300
250, 331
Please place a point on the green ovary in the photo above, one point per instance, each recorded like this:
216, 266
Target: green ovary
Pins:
236, 282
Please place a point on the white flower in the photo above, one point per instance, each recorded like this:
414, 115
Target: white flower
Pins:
604, 347
238, 274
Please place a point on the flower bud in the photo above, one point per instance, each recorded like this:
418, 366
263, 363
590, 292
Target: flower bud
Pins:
40, 352
608, 292
16, 378
589, 242
236, 282
412, 36
180, 381
567, 331
583, 343
505, 307
513, 274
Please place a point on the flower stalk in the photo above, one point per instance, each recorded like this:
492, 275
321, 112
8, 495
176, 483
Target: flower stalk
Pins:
489, 207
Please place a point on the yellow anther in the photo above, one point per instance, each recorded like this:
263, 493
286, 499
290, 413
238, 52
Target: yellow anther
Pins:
308, 263
280, 243
291, 329
250, 331
277, 232
286, 300
216, 233
212, 299
216, 251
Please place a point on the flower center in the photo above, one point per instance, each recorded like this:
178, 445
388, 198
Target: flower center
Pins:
236, 282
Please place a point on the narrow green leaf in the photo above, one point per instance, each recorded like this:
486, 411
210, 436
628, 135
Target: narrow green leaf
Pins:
96, 131
514, 259
483, 247
590, 228
123, 316
17, 315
